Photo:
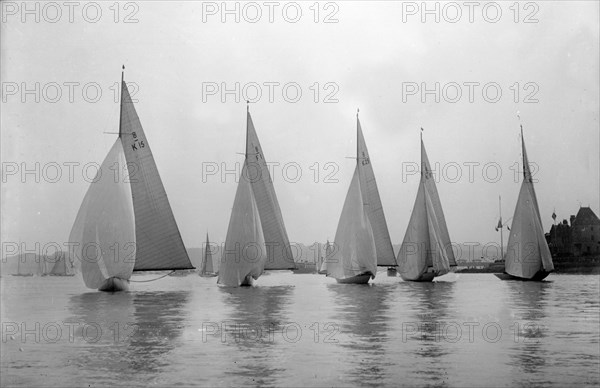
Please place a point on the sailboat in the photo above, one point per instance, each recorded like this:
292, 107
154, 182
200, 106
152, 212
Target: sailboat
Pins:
62, 266
126, 224
362, 238
207, 269
323, 267
19, 273
528, 256
426, 251
256, 237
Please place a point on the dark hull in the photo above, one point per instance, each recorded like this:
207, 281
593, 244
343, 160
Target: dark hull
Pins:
300, 271
363, 278
114, 285
426, 277
247, 282
538, 277
59, 274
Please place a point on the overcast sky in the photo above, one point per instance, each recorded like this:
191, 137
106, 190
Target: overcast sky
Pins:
369, 59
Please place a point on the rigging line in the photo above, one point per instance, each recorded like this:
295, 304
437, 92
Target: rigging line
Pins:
151, 280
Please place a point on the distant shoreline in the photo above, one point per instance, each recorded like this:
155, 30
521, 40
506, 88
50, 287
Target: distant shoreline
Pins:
576, 265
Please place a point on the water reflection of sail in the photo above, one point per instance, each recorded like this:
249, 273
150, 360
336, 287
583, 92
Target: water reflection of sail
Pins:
528, 345
160, 318
137, 330
254, 324
363, 313
96, 316
429, 302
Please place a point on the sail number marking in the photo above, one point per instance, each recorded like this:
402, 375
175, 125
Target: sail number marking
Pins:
365, 159
137, 142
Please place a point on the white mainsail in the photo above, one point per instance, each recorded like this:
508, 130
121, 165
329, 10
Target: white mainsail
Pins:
244, 254
279, 254
159, 243
126, 224
528, 252
356, 252
207, 263
370, 193
427, 241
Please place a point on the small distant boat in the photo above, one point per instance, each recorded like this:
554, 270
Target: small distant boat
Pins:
305, 268
323, 267
528, 256
126, 224
62, 267
207, 269
256, 237
426, 251
362, 238
19, 273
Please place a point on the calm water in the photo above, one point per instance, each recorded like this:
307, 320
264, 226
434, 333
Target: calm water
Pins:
291, 330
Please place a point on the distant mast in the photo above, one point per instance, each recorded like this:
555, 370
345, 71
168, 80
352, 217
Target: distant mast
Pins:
501, 229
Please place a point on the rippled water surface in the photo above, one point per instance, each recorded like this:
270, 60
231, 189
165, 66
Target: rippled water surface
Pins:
291, 330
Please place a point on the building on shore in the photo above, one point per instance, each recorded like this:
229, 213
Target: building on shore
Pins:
580, 238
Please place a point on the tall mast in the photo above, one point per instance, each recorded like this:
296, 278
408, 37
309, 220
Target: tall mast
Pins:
525, 166
421, 152
357, 123
501, 229
121, 106
247, 116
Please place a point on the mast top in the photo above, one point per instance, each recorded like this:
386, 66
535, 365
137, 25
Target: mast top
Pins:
357, 111
520, 123
247, 105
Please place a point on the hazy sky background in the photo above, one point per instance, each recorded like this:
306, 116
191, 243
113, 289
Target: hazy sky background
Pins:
170, 52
